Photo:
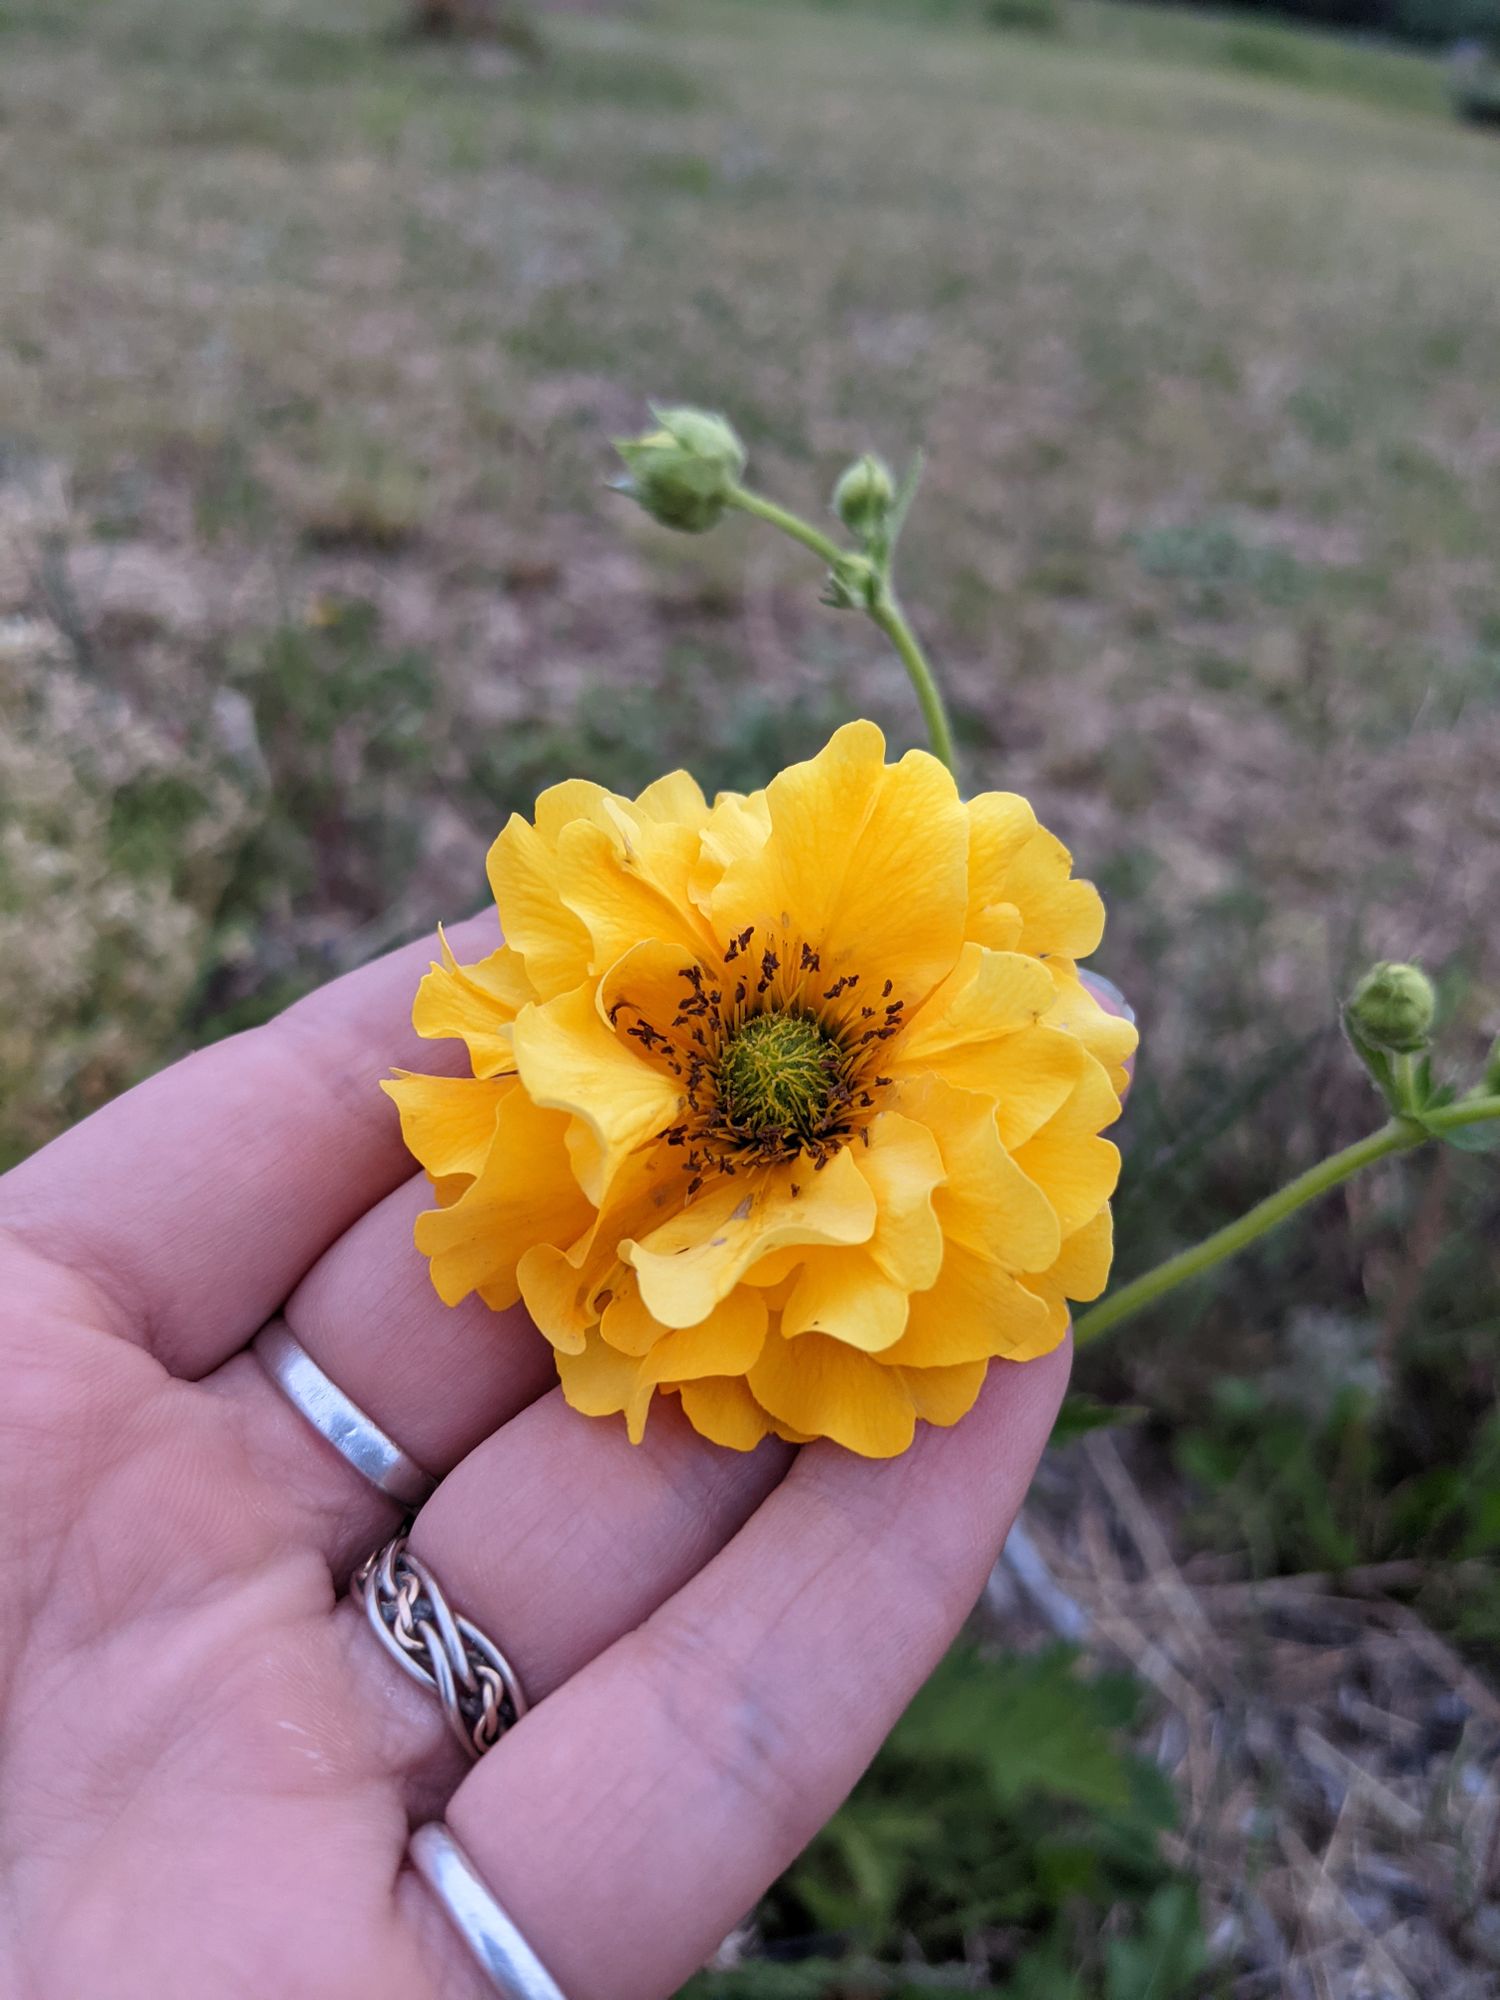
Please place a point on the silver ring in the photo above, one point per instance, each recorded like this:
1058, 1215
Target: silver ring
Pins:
494, 1943
356, 1438
481, 1694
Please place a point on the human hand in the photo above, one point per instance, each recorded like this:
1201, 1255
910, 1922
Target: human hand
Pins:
211, 1767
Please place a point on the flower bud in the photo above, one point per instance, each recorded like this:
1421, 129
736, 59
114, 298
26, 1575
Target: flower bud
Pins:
1393, 1008
684, 472
864, 496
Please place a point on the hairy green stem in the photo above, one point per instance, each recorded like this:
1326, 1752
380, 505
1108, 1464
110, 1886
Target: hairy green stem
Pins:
1476, 1110
885, 613
1401, 1135
789, 524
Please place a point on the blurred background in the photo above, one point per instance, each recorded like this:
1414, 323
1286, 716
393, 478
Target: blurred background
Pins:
316, 318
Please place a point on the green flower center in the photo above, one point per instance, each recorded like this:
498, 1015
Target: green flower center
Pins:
780, 1074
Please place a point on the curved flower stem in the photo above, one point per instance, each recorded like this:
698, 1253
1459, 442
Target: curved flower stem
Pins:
1401, 1135
883, 610
789, 524
887, 615
1476, 1110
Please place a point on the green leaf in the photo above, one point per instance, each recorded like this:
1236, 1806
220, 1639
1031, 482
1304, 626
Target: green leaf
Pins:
1481, 1138
906, 492
1166, 1958
1081, 1413
1030, 1722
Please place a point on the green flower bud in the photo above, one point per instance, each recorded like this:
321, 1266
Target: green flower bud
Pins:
1393, 1008
684, 472
864, 496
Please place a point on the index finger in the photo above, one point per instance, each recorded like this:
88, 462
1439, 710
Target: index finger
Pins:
196, 1201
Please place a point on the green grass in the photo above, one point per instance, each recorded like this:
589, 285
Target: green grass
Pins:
1340, 65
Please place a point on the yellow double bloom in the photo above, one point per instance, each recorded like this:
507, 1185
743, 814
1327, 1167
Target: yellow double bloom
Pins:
834, 1247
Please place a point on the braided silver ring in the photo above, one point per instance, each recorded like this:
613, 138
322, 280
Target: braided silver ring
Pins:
480, 1691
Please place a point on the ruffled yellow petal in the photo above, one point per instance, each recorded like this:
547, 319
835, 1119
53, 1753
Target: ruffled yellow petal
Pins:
866, 864
846, 1295
676, 799
1057, 913
1020, 882
571, 1060
1074, 1168
1082, 1267
565, 1290
943, 1395
964, 1031
627, 1325
475, 1004
598, 1381
574, 799
1081, 1271
698, 1257
998, 926
526, 1195
1109, 1038
728, 1342
601, 1380
1000, 823
985, 1202
859, 1294
980, 1032
448, 1122
525, 881
626, 879
1030, 1076
827, 1389
736, 829
903, 1165
643, 990
974, 1311
722, 1409
735, 1328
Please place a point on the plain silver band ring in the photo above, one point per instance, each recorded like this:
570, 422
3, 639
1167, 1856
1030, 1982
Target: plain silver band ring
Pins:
356, 1438
493, 1942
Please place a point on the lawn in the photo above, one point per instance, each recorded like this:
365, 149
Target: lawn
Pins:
312, 339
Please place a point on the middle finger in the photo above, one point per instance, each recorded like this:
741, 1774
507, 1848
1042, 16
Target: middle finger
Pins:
556, 1537
550, 1530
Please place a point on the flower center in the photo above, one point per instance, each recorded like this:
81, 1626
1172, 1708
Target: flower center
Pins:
778, 1077
776, 1058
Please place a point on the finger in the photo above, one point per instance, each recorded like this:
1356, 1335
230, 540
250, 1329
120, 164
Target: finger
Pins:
196, 1201
557, 1537
437, 1379
633, 1820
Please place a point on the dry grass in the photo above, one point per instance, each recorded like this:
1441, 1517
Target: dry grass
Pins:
1338, 1763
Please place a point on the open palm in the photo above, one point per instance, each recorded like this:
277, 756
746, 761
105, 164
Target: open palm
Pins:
209, 1769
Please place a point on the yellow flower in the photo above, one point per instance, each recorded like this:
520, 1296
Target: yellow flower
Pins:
788, 1106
